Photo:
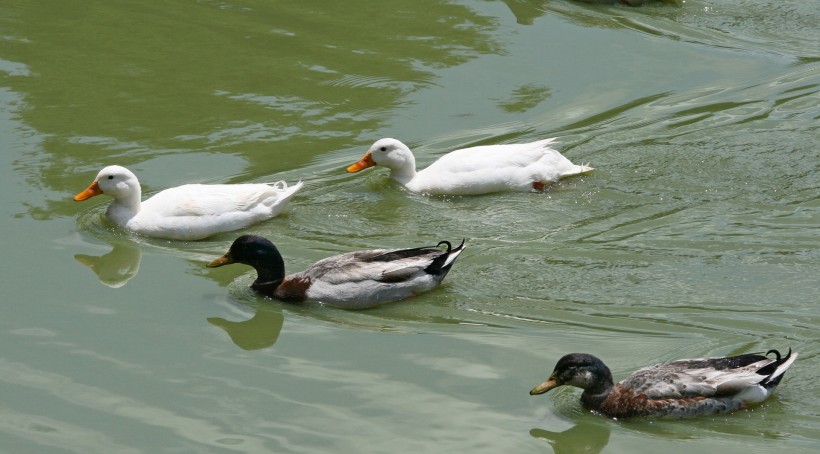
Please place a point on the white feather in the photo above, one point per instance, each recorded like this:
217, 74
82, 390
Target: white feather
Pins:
476, 170
191, 211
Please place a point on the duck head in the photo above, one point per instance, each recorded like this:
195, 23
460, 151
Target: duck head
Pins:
580, 370
389, 153
257, 252
115, 181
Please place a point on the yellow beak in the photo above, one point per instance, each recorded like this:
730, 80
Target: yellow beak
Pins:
365, 162
544, 387
91, 191
224, 260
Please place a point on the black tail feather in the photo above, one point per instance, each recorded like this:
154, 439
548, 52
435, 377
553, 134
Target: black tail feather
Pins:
438, 267
447, 243
771, 368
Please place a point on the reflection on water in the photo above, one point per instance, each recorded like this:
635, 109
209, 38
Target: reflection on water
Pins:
591, 433
734, 424
697, 236
260, 331
115, 268
528, 10
133, 122
589, 436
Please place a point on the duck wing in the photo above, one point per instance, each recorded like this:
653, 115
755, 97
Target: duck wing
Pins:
491, 168
383, 265
709, 377
196, 211
192, 200
487, 157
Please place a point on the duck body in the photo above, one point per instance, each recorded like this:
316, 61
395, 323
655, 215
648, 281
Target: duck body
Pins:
687, 387
188, 212
353, 280
476, 170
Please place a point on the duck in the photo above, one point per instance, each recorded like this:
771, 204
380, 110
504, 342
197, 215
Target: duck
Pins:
353, 280
682, 388
476, 170
187, 212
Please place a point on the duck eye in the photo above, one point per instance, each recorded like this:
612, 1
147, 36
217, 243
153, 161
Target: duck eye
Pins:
110, 177
383, 149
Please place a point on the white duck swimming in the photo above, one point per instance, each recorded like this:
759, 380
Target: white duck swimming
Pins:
686, 387
188, 212
475, 170
354, 280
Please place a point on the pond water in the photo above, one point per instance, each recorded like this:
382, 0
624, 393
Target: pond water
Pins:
697, 234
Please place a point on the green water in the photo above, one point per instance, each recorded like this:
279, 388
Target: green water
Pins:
697, 235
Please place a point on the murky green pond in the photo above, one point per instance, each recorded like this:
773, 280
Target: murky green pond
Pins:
697, 235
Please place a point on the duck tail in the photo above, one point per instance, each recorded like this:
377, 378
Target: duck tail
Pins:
452, 254
774, 371
545, 143
282, 193
290, 190
283, 186
441, 265
586, 168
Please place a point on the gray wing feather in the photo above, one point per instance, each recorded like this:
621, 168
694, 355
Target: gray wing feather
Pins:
677, 379
354, 267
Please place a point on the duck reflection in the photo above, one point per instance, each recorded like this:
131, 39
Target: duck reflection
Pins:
588, 437
115, 268
527, 11
260, 331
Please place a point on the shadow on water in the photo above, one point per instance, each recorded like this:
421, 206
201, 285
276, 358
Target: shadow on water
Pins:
115, 268
704, 426
589, 436
256, 333
262, 329
591, 432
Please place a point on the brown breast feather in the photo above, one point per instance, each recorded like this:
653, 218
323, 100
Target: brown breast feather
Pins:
293, 290
625, 403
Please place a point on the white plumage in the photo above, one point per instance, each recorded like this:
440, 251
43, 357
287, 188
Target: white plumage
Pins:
188, 212
476, 170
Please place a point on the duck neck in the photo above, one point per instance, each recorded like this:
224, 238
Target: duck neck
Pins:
593, 397
406, 172
126, 205
131, 199
270, 272
266, 287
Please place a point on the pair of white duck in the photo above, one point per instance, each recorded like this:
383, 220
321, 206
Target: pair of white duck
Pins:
353, 280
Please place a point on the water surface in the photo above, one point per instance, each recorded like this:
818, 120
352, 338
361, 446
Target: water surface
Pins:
697, 235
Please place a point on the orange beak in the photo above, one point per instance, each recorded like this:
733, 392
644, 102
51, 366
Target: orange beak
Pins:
91, 191
365, 162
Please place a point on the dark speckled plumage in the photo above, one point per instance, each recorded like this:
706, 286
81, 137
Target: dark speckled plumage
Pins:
354, 280
686, 387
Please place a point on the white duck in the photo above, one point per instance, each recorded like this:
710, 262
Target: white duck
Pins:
475, 170
188, 212
354, 280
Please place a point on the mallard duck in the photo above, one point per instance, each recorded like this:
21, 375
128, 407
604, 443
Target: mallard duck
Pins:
188, 212
687, 387
475, 170
354, 280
